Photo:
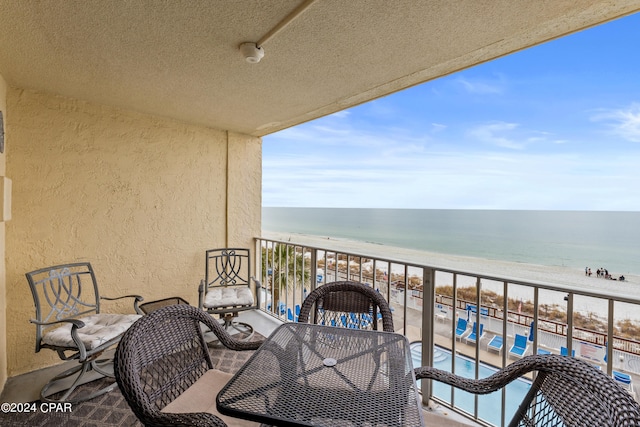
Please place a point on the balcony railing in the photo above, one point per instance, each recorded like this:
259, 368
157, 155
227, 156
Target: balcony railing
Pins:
427, 301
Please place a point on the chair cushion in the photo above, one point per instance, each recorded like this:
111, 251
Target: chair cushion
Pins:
224, 296
98, 329
201, 397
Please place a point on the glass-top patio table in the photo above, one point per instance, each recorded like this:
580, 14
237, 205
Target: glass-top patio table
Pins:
312, 375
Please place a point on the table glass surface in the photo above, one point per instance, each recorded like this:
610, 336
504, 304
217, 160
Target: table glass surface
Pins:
312, 375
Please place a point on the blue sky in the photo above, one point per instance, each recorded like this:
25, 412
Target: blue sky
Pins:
556, 126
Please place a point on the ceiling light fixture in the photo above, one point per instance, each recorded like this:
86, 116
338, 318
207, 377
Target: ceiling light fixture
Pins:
253, 52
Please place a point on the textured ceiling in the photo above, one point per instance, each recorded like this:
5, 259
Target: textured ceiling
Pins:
180, 59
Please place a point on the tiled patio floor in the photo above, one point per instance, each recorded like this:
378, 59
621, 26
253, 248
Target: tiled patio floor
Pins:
112, 410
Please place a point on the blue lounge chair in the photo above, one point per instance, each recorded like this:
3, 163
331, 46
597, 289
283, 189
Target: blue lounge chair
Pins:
496, 343
290, 315
473, 335
543, 351
623, 379
461, 328
564, 351
520, 346
282, 307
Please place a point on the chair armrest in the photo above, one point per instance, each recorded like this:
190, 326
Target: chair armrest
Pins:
137, 300
484, 385
226, 339
75, 322
75, 325
201, 292
258, 283
258, 288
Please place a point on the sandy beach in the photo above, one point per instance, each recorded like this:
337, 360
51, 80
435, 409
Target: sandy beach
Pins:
561, 277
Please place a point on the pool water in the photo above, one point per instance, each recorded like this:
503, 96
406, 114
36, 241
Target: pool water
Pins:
489, 405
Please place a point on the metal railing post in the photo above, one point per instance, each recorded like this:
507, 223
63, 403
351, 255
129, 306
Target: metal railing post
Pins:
570, 323
313, 270
429, 295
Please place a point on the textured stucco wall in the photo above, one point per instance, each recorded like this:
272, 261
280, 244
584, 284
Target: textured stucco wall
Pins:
139, 197
245, 189
3, 282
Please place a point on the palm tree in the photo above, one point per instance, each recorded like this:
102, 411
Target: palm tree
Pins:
284, 269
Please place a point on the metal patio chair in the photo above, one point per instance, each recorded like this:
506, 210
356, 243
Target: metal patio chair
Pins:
351, 304
165, 371
227, 287
69, 320
566, 392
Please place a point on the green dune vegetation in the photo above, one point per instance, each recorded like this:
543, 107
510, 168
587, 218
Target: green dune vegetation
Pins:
625, 328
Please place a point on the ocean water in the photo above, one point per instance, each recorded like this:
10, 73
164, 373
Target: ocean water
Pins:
555, 238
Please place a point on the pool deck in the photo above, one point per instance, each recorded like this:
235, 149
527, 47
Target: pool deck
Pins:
443, 328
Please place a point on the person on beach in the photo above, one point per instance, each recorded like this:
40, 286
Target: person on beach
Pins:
586, 271
589, 272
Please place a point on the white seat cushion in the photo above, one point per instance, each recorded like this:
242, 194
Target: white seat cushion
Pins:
224, 296
98, 329
201, 397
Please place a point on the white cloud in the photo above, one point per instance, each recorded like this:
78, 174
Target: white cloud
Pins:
333, 163
437, 127
341, 114
497, 133
419, 177
342, 135
623, 122
331, 131
482, 86
511, 135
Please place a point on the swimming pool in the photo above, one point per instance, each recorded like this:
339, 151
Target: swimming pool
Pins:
489, 405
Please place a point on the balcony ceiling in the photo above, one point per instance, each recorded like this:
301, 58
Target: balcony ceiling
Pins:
180, 59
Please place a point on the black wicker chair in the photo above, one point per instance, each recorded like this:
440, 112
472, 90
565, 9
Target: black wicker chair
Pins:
346, 304
566, 392
69, 320
165, 372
